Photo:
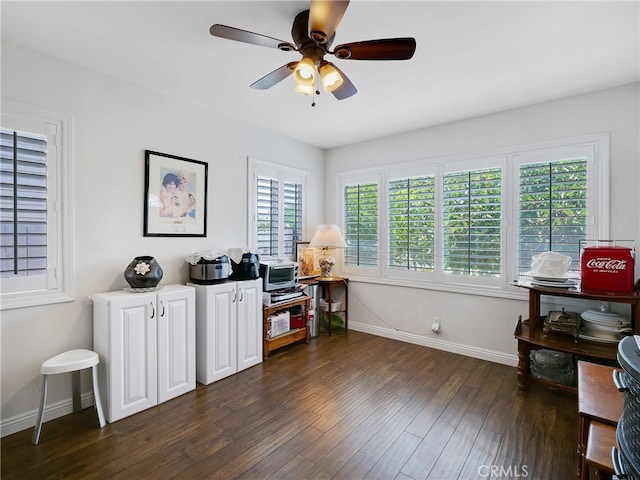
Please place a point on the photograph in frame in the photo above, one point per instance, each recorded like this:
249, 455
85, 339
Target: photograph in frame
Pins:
308, 259
175, 202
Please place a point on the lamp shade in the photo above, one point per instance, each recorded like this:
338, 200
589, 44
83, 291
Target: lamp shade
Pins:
305, 76
328, 236
330, 77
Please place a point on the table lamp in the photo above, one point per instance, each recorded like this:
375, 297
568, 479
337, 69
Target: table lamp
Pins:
327, 237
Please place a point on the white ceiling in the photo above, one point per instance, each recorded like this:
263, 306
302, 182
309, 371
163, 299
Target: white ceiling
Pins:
472, 58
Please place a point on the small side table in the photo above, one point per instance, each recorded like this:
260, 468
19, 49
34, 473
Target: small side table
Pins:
326, 286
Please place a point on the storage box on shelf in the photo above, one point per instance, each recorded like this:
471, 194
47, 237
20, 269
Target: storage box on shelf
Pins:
530, 335
269, 312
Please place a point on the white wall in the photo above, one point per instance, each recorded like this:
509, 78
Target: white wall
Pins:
114, 122
476, 325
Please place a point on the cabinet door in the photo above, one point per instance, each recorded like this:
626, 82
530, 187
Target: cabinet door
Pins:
249, 323
176, 342
219, 333
132, 355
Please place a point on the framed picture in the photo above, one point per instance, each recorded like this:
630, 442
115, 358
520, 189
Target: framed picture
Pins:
175, 196
308, 259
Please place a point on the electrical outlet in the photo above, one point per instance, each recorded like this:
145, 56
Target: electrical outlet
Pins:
435, 326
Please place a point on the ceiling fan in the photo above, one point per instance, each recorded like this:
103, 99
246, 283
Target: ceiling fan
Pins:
313, 32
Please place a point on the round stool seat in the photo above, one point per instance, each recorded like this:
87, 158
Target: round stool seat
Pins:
70, 361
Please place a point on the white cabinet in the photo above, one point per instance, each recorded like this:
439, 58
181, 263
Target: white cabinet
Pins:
228, 328
146, 344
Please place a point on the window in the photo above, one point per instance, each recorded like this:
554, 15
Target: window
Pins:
471, 222
277, 198
553, 205
412, 223
361, 224
474, 221
35, 245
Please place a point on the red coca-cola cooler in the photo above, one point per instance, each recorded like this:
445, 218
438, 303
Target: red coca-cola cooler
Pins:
607, 265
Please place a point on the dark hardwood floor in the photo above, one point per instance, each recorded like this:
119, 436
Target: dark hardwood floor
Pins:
349, 406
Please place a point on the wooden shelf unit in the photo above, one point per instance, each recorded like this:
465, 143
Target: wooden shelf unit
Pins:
531, 337
293, 335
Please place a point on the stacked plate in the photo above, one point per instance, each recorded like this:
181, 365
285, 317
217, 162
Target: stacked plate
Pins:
568, 280
603, 326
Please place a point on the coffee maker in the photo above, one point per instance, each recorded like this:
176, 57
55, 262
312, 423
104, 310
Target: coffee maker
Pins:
244, 264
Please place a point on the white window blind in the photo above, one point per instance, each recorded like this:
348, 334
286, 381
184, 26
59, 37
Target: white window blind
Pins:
292, 204
553, 209
472, 222
278, 200
411, 211
472, 211
267, 216
361, 224
23, 204
36, 200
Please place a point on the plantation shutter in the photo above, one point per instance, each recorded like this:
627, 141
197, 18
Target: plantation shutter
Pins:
267, 216
472, 222
411, 223
553, 209
23, 203
361, 224
292, 216
271, 208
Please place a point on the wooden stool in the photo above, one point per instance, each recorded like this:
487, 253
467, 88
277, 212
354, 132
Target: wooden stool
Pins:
71, 361
598, 400
601, 439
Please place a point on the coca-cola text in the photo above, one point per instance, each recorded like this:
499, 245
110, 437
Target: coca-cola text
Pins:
607, 264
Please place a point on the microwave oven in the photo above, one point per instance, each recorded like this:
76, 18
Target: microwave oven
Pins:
278, 274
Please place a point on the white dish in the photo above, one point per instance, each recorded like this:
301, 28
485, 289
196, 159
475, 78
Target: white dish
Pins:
604, 318
564, 278
544, 283
596, 339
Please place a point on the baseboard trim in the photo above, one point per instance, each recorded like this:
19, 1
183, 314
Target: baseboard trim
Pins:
432, 342
53, 410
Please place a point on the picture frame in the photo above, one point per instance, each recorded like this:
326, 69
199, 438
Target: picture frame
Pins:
308, 259
175, 196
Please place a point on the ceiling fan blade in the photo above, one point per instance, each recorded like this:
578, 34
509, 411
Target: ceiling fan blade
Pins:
239, 35
347, 89
382, 49
270, 79
324, 17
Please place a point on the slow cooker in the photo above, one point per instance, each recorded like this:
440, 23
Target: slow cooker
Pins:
206, 268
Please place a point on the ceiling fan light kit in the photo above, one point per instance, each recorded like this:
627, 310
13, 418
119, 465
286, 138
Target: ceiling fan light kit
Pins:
330, 77
313, 32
